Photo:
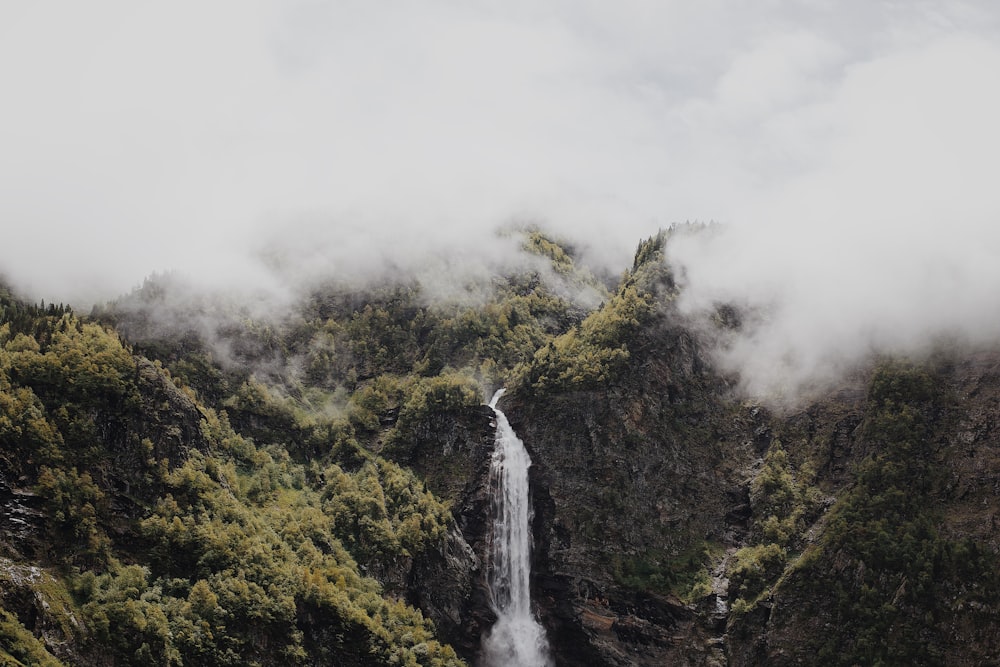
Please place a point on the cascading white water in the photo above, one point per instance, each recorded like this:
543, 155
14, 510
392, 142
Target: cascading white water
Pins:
516, 638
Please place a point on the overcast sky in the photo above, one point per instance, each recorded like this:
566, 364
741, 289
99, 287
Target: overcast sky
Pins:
850, 147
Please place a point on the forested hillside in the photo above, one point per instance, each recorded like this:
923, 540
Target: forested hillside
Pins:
186, 481
176, 498
141, 528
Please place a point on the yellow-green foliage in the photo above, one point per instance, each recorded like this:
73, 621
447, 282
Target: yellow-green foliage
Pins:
408, 401
382, 511
346, 340
780, 501
74, 503
38, 587
442, 393
752, 569
80, 361
79, 368
384, 394
385, 337
231, 551
649, 253
592, 352
20, 648
246, 546
536, 242
424, 399
497, 335
58, 379
23, 421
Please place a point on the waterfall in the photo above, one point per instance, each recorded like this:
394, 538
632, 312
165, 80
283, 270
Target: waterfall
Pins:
516, 638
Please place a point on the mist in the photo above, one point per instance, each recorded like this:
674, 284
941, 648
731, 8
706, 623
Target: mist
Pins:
847, 149
889, 244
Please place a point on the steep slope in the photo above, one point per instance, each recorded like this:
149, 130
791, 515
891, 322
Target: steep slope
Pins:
637, 479
676, 525
903, 569
312, 488
139, 528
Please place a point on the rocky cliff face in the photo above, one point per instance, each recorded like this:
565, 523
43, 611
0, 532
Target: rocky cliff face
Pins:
676, 525
639, 487
451, 452
674, 522
902, 568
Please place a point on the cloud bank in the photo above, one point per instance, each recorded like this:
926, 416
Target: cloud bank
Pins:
888, 241
849, 148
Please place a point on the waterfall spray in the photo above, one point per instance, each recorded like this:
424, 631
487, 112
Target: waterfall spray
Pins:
516, 638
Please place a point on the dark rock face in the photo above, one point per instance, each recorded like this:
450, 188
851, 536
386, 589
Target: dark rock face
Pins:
651, 475
447, 585
628, 480
625, 480
451, 452
645, 490
950, 617
642, 483
21, 517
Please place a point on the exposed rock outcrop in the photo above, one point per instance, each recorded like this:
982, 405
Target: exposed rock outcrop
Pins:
451, 453
661, 475
635, 482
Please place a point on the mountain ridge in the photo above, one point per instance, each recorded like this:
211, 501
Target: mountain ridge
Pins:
314, 488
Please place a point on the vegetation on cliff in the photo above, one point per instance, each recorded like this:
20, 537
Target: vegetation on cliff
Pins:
183, 481
207, 549
229, 502
882, 570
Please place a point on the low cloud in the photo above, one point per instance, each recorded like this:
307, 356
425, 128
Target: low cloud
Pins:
887, 240
847, 147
